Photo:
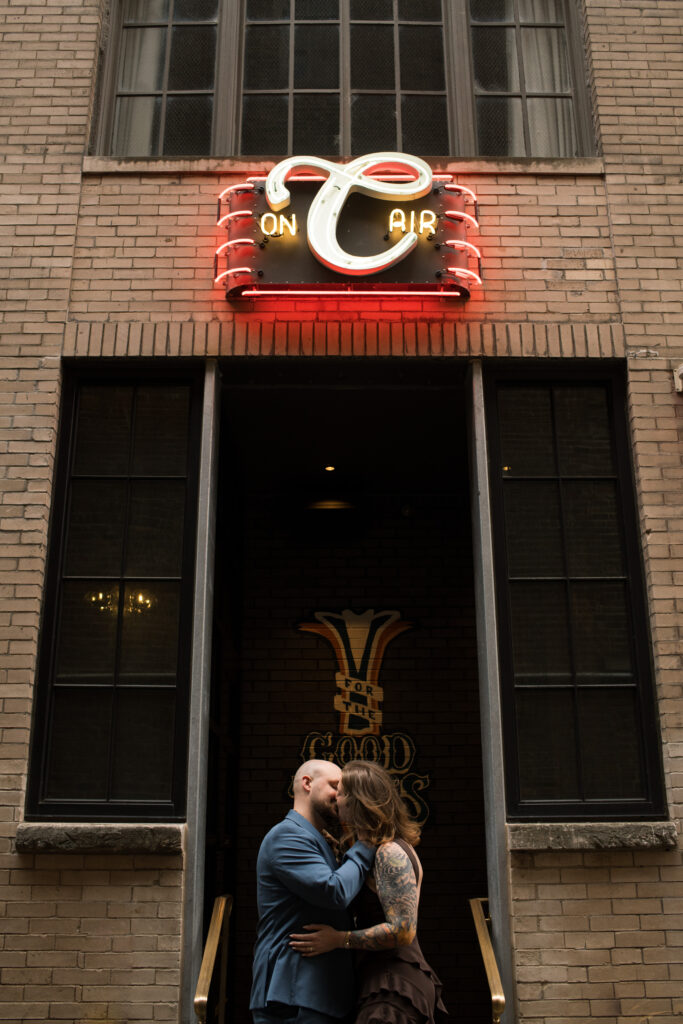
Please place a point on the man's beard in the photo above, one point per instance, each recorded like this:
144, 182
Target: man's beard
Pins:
327, 813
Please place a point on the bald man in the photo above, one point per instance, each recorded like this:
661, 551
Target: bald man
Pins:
299, 882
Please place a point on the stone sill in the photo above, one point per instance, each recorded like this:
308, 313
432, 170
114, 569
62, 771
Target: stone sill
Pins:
593, 835
226, 165
79, 837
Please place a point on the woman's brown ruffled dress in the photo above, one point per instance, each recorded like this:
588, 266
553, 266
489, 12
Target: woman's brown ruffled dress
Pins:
395, 986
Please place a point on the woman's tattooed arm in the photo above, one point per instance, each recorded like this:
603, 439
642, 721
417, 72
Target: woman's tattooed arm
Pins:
397, 890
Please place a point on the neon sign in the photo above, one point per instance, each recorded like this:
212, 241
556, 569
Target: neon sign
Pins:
358, 238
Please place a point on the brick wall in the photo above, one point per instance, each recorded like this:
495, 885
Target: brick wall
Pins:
90, 938
82, 937
598, 935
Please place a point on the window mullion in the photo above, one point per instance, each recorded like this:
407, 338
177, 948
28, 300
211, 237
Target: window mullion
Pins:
164, 84
568, 597
460, 79
290, 79
345, 79
398, 107
121, 608
522, 79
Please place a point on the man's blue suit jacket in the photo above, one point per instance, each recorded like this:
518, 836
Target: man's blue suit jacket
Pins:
300, 882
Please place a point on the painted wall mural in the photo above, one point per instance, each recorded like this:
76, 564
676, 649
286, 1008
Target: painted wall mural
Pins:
359, 643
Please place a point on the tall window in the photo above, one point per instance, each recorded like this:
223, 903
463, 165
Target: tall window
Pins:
166, 78
522, 78
331, 77
345, 77
109, 736
580, 733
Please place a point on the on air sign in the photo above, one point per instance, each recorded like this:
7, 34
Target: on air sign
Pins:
382, 223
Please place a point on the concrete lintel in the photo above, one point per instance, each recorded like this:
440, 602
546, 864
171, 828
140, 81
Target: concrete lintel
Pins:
109, 837
593, 835
555, 167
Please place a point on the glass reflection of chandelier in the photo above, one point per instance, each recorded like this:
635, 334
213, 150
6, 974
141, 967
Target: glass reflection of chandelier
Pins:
139, 601
101, 601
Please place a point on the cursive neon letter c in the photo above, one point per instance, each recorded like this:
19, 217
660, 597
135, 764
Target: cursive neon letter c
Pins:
327, 205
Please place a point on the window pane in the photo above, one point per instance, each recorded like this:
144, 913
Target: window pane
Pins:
95, 532
267, 10
264, 125
593, 532
425, 125
136, 126
584, 441
494, 56
540, 10
87, 630
551, 127
372, 10
143, 52
188, 126
79, 745
160, 435
533, 529
421, 58
103, 432
544, 53
143, 750
600, 624
145, 10
149, 633
419, 10
195, 10
266, 57
193, 55
547, 738
610, 752
316, 57
372, 57
373, 124
540, 637
316, 123
155, 532
318, 10
492, 10
500, 129
526, 431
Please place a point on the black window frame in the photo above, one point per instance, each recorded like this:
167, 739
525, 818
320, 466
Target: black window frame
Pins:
459, 88
610, 375
38, 806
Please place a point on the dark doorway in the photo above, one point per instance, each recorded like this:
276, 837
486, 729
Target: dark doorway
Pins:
388, 529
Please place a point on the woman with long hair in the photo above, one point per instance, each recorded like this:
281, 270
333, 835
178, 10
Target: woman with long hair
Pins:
395, 983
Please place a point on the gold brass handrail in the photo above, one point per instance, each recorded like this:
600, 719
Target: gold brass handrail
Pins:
481, 922
217, 936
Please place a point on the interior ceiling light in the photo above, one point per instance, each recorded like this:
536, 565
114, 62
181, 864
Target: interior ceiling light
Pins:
327, 503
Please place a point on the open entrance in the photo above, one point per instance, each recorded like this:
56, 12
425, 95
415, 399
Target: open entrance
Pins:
381, 540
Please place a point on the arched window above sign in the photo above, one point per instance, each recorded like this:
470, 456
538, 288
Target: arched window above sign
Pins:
383, 223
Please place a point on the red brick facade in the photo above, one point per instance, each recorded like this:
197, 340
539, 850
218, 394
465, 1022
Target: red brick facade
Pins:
106, 258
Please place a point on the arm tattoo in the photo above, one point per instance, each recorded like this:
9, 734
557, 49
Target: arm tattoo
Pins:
397, 890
